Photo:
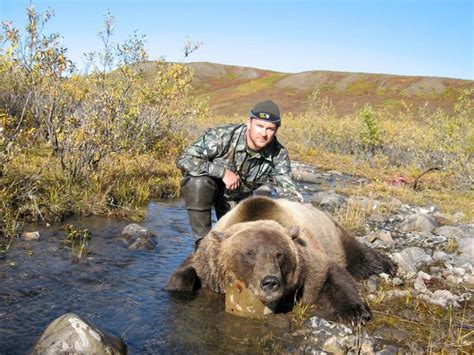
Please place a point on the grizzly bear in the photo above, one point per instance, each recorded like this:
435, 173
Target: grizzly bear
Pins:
283, 250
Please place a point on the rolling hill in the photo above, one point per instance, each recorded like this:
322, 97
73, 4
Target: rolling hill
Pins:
234, 89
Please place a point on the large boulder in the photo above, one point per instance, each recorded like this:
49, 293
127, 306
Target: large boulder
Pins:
69, 334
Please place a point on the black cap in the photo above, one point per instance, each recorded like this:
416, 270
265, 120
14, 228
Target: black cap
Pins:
267, 111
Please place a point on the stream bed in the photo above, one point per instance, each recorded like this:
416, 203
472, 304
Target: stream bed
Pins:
121, 291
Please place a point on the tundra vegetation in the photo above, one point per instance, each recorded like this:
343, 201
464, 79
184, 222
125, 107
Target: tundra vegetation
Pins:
104, 140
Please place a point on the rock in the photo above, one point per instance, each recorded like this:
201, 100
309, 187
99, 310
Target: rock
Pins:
141, 243
419, 283
468, 230
30, 235
69, 334
367, 203
394, 203
382, 235
419, 222
466, 248
439, 255
442, 298
377, 218
397, 293
372, 283
333, 345
389, 350
397, 281
137, 237
450, 232
469, 280
308, 177
458, 217
410, 258
442, 219
367, 347
327, 200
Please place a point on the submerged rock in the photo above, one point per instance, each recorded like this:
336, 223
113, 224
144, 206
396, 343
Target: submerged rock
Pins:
137, 237
69, 334
30, 235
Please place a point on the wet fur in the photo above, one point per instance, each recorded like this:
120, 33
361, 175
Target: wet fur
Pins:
328, 259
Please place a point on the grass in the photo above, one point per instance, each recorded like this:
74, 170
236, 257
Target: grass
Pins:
427, 328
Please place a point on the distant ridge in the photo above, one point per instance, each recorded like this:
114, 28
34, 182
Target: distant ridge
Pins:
235, 89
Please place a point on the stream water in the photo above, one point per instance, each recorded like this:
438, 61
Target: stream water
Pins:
121, 291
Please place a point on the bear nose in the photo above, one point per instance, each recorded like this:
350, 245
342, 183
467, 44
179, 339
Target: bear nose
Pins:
270, 284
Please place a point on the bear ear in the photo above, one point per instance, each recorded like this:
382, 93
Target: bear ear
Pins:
294, 232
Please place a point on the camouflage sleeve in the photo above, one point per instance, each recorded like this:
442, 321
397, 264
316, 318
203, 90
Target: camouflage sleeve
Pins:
281, 175
197, 159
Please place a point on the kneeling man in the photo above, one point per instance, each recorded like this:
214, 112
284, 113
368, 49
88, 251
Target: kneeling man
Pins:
228, 163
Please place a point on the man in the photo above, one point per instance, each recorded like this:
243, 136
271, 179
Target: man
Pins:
228, 163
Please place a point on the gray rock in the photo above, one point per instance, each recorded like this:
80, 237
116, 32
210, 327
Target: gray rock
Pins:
334, 345
372, 283
137, 237
442, 298
439, 255
419, 283
394, 203
450, 232
419, 222
30, 235
458, 217
468, 230
69, 334
466, 248
367, 203
328, 200
382, 235
308, 177
388, 350
410, 258
377, 217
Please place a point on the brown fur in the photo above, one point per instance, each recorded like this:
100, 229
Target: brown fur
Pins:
282, 249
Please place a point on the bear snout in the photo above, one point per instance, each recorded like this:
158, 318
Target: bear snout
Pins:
270, 284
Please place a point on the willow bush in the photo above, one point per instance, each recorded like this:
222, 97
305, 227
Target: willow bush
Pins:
412, 139
67, 127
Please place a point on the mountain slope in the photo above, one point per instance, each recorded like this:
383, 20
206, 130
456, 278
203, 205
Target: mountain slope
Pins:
234, 89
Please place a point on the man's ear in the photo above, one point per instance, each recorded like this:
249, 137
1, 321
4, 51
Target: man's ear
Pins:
249, 120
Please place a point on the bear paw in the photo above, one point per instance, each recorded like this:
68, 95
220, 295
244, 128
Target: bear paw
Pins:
353, 313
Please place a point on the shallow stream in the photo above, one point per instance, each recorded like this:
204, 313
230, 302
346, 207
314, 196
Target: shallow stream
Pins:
122, 291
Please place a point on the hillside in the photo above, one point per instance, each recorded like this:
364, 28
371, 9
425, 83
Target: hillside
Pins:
234, 89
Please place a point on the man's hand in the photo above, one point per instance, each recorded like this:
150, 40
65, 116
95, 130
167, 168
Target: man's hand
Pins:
231, 180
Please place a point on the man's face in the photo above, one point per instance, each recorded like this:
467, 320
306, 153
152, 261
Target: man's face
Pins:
260, 133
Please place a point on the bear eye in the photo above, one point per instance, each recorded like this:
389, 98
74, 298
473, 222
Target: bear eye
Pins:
279, 255
250, 253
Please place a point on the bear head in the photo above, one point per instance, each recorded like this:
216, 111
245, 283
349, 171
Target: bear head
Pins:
261, 254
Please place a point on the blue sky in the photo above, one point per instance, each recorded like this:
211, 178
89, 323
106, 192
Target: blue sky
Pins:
404, 37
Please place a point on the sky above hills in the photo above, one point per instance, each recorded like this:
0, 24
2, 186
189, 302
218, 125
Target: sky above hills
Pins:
403, 37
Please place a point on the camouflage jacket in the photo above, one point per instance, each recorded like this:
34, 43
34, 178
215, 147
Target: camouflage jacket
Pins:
225, 147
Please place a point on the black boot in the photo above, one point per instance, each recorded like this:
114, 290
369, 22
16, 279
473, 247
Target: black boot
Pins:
200, 222
199, 193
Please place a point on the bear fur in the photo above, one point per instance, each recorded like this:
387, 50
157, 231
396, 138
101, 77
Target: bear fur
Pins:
283, 250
